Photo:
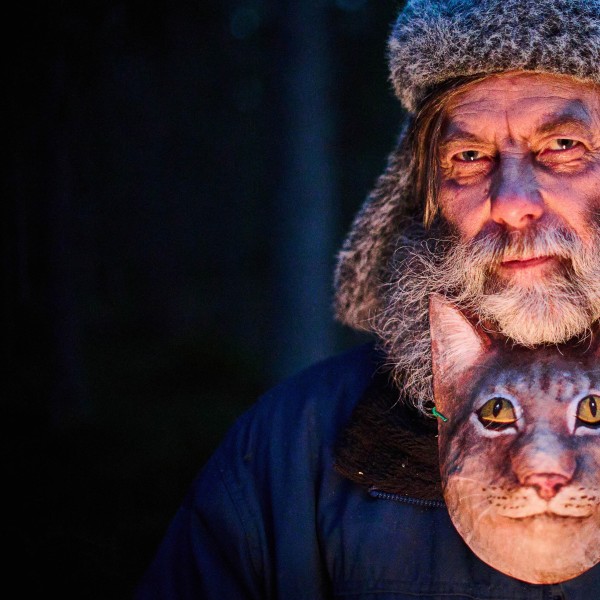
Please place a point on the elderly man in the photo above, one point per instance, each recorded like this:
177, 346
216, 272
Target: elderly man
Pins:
330, 487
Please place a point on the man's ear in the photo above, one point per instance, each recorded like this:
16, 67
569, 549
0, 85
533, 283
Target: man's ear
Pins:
456, 346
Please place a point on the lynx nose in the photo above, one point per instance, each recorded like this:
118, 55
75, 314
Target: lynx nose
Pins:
547, 485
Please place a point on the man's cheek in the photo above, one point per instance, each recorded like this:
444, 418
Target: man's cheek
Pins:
465, 208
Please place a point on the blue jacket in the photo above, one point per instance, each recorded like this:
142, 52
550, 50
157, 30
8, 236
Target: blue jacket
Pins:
270, 517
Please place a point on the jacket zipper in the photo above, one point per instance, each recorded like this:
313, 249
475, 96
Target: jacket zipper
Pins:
375, 493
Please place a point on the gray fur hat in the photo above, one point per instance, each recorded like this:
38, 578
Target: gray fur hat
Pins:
431, 42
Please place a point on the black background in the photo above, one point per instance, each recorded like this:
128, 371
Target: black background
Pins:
180, 177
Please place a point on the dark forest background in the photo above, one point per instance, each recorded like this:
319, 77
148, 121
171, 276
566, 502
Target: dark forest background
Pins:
179, 179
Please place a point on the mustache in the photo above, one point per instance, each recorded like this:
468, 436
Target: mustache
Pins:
490, 249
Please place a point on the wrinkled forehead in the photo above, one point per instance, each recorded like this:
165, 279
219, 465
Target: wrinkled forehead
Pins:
528, 103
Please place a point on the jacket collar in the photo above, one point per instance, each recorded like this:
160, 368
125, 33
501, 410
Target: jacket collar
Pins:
389, 446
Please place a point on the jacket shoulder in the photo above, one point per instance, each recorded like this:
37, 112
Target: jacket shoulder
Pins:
324, 394
260, 489
295, 425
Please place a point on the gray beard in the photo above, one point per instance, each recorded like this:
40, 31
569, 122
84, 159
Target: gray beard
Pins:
562, 306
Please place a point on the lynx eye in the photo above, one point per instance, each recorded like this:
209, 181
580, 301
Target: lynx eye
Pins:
497, 414
588, 410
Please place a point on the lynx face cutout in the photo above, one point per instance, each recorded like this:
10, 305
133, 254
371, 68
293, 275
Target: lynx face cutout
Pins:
520, 452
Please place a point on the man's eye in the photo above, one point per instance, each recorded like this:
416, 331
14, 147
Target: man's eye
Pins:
469, 156
562, 151
562, 144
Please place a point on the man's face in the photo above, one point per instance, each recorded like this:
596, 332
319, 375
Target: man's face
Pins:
520, 190
519, 186
520, 153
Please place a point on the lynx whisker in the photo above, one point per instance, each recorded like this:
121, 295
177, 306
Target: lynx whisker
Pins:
475, 495
481, 515
463, 478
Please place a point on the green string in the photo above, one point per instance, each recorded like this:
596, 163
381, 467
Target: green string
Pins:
439, 415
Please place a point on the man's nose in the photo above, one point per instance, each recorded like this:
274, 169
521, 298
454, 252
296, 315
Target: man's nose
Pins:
516, 202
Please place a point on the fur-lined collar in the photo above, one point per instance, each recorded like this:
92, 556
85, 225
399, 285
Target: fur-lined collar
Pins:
390, 446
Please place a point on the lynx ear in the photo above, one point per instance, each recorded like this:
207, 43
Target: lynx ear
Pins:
456, 345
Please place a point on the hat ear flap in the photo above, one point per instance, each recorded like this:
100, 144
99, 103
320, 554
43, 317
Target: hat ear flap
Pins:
371, 242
